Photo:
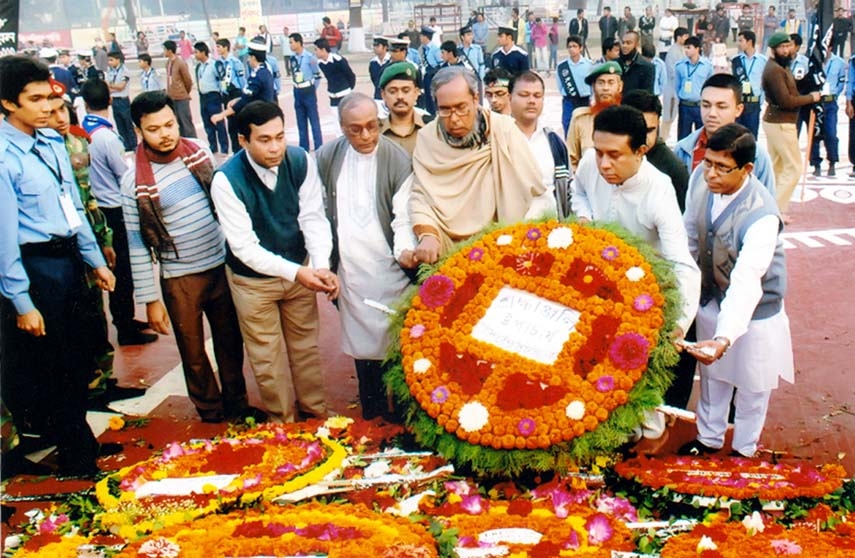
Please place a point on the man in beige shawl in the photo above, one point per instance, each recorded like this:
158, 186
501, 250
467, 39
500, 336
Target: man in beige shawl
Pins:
471, 168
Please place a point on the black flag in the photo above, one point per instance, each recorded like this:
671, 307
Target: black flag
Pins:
819, 46
9, 10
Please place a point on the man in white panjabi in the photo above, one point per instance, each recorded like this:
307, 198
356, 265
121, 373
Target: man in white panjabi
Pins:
734, 227
367, 179
616, 183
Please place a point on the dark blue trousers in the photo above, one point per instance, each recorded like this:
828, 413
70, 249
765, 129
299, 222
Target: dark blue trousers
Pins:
688, 120
306, 107
211, 104
124, 124
829, 130
750, 120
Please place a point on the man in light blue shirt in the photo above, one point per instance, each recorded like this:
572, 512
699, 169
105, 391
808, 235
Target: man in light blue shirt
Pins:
231, 85
799, 66
209, 73
305, 73
45, 240
480, 33
690, 73
748, 67
570, 75
835, 80
118, 81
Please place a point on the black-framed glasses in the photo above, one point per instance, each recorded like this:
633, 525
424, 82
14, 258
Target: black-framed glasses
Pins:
719, 168
462, 110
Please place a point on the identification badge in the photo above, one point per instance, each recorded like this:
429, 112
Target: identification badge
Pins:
687, 87
298, 77
70, 212
746, 88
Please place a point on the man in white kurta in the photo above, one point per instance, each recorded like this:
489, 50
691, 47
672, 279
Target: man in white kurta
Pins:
367, 178
616, 184
734, 229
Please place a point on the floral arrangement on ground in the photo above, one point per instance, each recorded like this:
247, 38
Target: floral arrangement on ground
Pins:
733, 477
535, 346
189, 480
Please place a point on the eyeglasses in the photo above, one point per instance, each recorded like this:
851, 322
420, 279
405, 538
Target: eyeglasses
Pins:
462, 110
719, 168
356, 130
500, 93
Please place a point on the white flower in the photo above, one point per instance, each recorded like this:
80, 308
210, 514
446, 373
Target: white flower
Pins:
159, 548
754, 523
421, 366
377, 468
12, 541
575, 410
706, 543
504, 240
560, 237
634, 274
322, 432
473, 416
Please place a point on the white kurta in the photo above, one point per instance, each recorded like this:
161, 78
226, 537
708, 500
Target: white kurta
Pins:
647, 206
368, 267
761, 350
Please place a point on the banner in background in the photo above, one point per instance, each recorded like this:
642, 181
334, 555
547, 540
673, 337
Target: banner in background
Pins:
9, 10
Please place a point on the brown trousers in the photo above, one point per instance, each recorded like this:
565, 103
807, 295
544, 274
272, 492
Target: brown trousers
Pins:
280, 323
186, 299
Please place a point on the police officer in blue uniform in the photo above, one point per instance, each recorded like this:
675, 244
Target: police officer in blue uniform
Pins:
259, 86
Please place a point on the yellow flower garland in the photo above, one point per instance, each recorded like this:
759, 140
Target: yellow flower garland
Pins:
536, 258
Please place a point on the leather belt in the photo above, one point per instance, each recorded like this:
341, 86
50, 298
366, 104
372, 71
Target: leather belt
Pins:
340, 94
828, 99
690, 103
57, 247
750, 99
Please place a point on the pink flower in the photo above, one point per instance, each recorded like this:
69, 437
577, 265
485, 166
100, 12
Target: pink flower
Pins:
605, 383
461, 488
629, 351
439, 395
172, 451
599, 529
475, 254
417, 331
526, 427
533, 233
643, 302
616, 507
610, 253
785, 547
436, 290
572, 541
473, 504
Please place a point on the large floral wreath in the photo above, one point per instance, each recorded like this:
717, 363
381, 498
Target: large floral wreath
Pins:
535, 346
199, 477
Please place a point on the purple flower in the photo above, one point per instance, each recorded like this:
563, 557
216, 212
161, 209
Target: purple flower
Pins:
629, 351
436, 290
785, 547
439, 395
417, 331
526, 427
605, 383
616, 506
473, 504
572, 541
461, 488
533, 233
599, 529
610, 253
643, 302
475, 254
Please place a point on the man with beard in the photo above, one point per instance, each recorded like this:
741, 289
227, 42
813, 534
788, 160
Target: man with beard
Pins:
367, 180
690, 73
496, 83
638, 73
169, 217
399, 87
469, 171
779, 120
607, 86
616, 183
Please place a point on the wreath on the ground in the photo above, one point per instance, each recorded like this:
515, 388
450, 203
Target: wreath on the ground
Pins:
535, 346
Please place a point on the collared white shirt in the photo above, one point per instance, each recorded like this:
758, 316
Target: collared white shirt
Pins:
244, 243
647, 206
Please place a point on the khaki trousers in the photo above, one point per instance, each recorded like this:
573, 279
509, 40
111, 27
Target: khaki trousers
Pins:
782, 141
279, 322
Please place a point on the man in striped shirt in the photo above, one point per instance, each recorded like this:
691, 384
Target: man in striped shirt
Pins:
170, 218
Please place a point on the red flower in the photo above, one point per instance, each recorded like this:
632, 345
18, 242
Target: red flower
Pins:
465, 369
461, 298
629, 351
530, 264
522, 392
436, 290
590, 280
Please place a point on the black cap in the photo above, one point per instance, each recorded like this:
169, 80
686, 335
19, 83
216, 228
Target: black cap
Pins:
506, 30
427, 32
465, 29
381, 41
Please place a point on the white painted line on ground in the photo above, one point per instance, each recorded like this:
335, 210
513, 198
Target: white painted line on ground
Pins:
811, 239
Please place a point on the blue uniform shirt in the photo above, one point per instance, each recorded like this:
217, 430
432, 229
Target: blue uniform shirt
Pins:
30, 210
835, 75
850, 80
690, 78
754, 70
207, 80
661, 75
799, 66
579, 70
259, 87
475, 56
235, 74
304, 67
430, 53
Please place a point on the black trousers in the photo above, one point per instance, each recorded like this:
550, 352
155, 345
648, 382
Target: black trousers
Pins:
122, 298
372, 392
44, 379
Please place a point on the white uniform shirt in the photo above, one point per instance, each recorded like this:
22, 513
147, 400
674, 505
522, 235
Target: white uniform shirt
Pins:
539, 145
647, 206
368, 268
244, 243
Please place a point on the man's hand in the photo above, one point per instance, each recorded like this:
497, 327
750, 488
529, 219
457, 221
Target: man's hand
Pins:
428, 250
850, 109
104, 279
408, 260
319, 280
709, 351
157, 317
816, 96
331, 281
33, 323
583, 220
110, 256
217, 118
677, 336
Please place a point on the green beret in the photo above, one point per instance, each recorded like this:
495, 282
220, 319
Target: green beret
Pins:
778, 38
605, 68
399, 70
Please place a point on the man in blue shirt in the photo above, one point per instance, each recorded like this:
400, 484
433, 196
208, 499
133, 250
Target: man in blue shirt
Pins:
850, 109
45, 243
259, 86
835, 79
472, 56
305, 73
690, 73
118, 81
378, 63
480, 31
571, 74
748, 67
209, 73
429, 63
232, 84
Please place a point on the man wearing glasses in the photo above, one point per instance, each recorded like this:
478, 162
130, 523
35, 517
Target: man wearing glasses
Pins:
496, 83
734, 229
470, 170
367, 180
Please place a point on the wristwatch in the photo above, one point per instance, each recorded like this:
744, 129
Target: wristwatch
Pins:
726, 342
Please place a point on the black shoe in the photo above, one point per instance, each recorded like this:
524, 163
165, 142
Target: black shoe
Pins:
140, 325
212, 418
696, 449
78, 472
831, 171
136, 338
735, 453
817, 172
242, 415
14, 463
110, 448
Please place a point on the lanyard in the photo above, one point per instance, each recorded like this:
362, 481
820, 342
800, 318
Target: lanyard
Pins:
751, 67
692, 72
56, 172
